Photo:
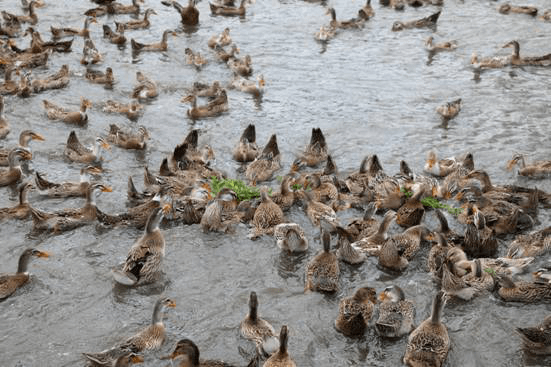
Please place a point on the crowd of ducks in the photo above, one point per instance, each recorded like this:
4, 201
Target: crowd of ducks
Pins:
464, 265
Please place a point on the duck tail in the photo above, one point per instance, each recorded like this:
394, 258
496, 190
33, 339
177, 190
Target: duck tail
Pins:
192, 139
136, 45
42, 183
249, 134
271, 148
434, 17
317, 138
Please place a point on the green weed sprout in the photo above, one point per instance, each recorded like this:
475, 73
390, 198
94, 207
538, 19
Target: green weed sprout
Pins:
431, 202
243, 191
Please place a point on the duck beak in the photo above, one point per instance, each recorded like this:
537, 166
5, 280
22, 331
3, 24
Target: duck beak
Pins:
136, 359
511, 164
43, 254
166, 209
37, 137
172, 304
106, 146
107, 189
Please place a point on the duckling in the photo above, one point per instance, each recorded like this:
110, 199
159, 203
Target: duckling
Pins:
356, 311
241, 67
264, 165
23, 209
521, 291
429, 343
345, 251
322, 272
218, 9
396, 313
223, 39
535, 169
224, 56
56, 81
55, 112
258, 330
187, 353
372, 244
137, 24
248, 86
114, 37
71, 32
246, 150
126, 139
537, 339
99, 77
146, 87
209, 110
157, 46
67, 189
480, 240
4, 124
443, 46
10, 282
533, 244
449, 110
13, 173
290, 237
508, 8
145, 257
189, 14
281, 358
266, 217
220, 215
132, 110
427, 22
149, 338
77, 152
25, 137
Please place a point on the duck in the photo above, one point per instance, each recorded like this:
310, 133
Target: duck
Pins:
77, 152
537, 339
146, 88
396, 313
220, 215
429, 343
508, 8
395, 4
522, 291
372, 243
367, 10
79, 118
356, 22
281, 358
320, 191
23, 209
241, 67
118, 8
478, 278
316, 151
157, 46
222, 39
358, 182
449, 235
67, 189
258, 330
4, 124
266, 217
427, 22
13, 173
480, 240
364, 226
246, 149
546, 15
205, 90
317, 212
132, 110
285, 198
135, 216
126, 139
449, 110
517, 60
71, 32
219, 9
137, 24
325, 34
492, 62
530, 245
195, 58
248, 86
32, 18
90, 54
536, 169
345, 251
224, 56
438, 254
437, 47
188, 14
356, 311
187, 353
444, 167
454, 285
212, 109
410, 240
500, 265
25, 137
9, 283
266, 164
290, 237
322, 272
412, 212
145, 257
391, 256
116, 38
56, 81
149, 338
99, 77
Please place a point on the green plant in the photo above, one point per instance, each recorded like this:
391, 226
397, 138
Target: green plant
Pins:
434, 203
243, 191
406, 192
490, 271
297, 186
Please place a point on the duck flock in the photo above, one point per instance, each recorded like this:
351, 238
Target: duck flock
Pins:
475, 239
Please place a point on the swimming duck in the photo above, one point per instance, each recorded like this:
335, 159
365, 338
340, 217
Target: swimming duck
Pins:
127, 139
396, 313
258, 330
429, 343
478, 278
533, 244
67, 189
146, 88
90, 54
480, 240
264, 166
367, 10
246, 150
546, 15
316, 151
427, 22
372, 243
442, 46
157, 46
537, 339
281, 358
118, 8
290, 237
320, 191
248, 86
325, 34
534, 169
266, 217
132, 110
224, 56
195, 58
412, 212
285, 198
189, 14
356, 22
493, 62
410, 240
444, 167
205, 90
71, 32
99, 77
114, 37
241, 67
77, 152
522, 291
223, 39
149, 338
318, 212
187, 353
32, 18
391, 256
10, 282
55, 112
508, 8
145, 257
438, 254
356, 311
345, 251
322, 272
449, 110
21, 210
137, 24
25, 137
136, 216
395, 4
364, 226
516, 59
219, 9
13, 173
454, 285
220, 215
212, 109
55, 81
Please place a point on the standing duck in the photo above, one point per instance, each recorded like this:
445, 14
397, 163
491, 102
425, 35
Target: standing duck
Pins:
137, 24
145, 257
77, 152
21, 210
429, 343
10, 282
157, 46
258, 330
25, 137
13, 173
322, 272
4, 124
356, 311
67, 189
266, 217
264, 166
79, 118
189, 14
535, 169
281, 358
427, 22
396, 313
290, 237
537, 339
246, 150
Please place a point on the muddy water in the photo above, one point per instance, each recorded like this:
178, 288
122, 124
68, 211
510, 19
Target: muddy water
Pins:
370, 91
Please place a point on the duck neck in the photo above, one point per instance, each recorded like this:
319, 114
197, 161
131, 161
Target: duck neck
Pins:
253, 312
283, 337
385, 223
23, 195
24, 140
164, 40
516, 50
23, 262
13, 160
91, 197
97, 150
326, 239
153, 222
157, 315
437, 305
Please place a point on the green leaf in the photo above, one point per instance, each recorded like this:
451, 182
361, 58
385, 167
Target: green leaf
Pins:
434, 203
243, 191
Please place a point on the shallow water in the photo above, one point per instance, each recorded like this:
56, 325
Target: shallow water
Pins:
370, 91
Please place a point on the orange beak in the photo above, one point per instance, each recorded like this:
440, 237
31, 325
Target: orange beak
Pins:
107, 189
43, 254
166, 209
